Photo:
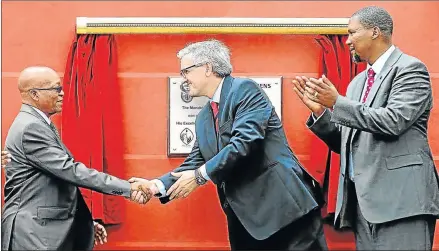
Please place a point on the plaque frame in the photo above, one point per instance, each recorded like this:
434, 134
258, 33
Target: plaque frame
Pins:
279, 110
168, 140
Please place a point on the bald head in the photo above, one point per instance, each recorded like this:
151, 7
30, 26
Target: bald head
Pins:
40, 87
35, 77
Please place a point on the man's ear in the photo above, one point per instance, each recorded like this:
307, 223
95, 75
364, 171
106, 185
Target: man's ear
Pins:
375, 32
34, 95
208, 69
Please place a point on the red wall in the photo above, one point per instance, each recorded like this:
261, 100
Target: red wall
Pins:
40, 33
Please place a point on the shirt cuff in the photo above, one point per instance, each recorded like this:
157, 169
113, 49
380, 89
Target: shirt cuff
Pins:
204, 172
314, 116
161, 187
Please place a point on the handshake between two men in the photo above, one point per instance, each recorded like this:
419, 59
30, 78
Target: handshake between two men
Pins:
142, 190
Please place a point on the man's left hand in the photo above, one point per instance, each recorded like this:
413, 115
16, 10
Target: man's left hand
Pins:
322, 91
100, 233
185, 185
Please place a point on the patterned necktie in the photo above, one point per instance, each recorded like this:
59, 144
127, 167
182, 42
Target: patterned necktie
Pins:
215, 110
55, 130
52, 126
370, 80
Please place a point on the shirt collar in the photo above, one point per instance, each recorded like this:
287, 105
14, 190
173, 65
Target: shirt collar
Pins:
379, 63
217, 95
42, 115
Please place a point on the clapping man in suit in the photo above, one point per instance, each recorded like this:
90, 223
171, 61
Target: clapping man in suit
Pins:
388, 190
241, 147
44, 208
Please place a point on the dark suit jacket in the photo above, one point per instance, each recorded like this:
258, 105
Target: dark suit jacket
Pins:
395, 176
42, 200
250, 162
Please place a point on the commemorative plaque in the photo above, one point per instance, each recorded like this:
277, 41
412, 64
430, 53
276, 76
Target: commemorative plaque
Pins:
183, 110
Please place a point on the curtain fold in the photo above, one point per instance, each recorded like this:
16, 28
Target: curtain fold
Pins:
91, 118
336, 63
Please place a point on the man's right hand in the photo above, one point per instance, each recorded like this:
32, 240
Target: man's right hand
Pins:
6, 158
299, 89
140, 191
145, 190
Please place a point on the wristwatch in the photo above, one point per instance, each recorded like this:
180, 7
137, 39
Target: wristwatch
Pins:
199, 178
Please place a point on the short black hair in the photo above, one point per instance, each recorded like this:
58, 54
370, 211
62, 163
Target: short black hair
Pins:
373, 16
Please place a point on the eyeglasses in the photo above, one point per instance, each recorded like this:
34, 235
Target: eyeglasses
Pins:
58, 89
185, 71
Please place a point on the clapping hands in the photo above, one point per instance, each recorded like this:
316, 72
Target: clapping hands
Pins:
316, 94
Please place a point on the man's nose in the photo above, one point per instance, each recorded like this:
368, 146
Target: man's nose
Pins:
61, 93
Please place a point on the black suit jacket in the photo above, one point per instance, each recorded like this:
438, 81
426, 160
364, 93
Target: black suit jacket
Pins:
250, 161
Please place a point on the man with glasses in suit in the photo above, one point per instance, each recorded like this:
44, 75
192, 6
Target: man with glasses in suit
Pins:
44, 208
241, 147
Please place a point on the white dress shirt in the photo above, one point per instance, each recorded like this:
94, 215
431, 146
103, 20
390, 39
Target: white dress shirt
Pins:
43, 115
378, 66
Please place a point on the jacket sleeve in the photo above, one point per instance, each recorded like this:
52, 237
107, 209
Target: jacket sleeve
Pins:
409, 98
45, 153
326, 130
193, 161
253, 110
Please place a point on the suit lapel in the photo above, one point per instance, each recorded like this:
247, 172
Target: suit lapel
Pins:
28, 109
396, 54
227, 84
356, 95
210, 138
359, 86
207, 138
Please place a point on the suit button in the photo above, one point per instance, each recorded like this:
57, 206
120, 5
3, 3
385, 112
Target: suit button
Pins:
225, 205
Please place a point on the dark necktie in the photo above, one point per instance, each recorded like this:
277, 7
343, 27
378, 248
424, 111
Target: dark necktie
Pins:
52, 126
55, 130
370, 80
215, 110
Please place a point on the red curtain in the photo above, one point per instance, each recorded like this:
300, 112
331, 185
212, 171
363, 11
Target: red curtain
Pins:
336, 63
91, 119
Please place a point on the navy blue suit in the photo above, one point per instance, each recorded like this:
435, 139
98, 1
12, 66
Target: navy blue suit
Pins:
261, 184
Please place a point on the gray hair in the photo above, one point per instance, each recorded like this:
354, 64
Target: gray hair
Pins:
373, 16
210, 51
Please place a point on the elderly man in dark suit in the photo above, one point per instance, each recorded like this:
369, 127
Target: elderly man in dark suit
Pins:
388, 191
44, 208
241, 147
